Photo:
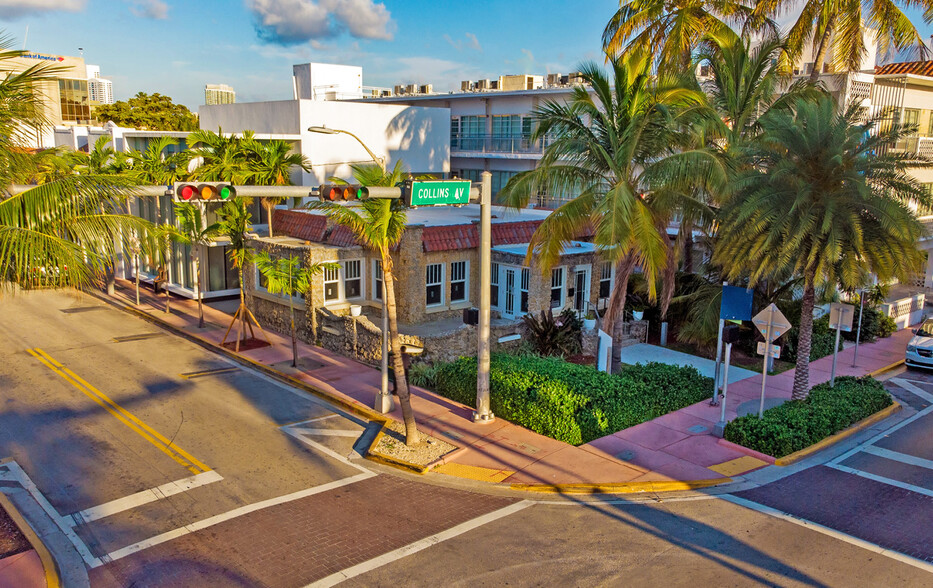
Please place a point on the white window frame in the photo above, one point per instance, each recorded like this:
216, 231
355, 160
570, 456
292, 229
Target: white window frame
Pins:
524, 281
332, 276
377, 280
264, 292
465, 279
344, 278
602, 278
562, 286
442, 272
494, 281
341, 282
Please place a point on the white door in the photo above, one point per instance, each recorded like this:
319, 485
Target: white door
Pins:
581, 290
509, 303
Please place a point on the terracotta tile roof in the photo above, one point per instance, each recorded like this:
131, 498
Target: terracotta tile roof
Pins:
449, 238
310, 227
512, 233
341, 236
920, 68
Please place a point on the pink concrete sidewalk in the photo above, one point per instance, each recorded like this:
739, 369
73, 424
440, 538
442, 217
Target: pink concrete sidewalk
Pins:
676, 446
23, 570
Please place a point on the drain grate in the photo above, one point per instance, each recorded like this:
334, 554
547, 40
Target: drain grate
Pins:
140, 337
206, 373
77, 309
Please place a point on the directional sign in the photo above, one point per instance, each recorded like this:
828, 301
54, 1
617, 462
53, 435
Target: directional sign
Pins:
736, 304
840, 316
775, 350
439, 192
772, 315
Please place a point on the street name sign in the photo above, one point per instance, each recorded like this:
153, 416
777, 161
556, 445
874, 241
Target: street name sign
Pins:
439, 193
840, 316
772, 315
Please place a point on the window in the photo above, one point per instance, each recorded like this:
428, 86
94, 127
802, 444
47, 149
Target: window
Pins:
331, 284
526, 276
458, 281
500, 179
912, 118
605, 280
352, 279
262, 286
557, 287
494, 286
434, 284
377, 279
474, 175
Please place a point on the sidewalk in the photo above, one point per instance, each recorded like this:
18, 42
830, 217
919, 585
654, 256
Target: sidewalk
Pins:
676, 446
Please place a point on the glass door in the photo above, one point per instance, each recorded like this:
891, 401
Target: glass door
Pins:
580, 290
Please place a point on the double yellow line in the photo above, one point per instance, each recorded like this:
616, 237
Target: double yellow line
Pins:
121, 414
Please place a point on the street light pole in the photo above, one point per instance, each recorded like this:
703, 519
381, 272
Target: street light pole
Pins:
483, 413
383, 401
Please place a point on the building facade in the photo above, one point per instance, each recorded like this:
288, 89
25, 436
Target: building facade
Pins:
219, 94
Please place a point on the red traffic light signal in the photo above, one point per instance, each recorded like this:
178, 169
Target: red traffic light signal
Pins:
335, 192
205, 191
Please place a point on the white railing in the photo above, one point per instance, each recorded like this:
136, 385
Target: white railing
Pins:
905, 311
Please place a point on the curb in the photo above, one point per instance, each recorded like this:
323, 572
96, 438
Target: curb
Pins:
749, 452
837, 437
621, 487
384, 459
885, 368
52, 576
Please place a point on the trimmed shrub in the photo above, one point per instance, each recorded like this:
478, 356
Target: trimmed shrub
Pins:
875, 325
797, 424
574, 403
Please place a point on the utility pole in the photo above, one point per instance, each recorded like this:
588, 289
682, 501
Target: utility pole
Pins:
483, 413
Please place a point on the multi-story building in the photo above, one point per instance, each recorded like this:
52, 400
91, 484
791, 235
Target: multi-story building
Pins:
66, 98
100, 90
219, 94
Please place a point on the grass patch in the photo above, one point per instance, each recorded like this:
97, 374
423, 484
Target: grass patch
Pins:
574, 403
798, 424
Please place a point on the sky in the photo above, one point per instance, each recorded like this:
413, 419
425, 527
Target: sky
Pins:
174, 47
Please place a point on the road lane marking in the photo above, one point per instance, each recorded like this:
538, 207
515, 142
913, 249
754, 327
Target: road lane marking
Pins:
213, 372
142, 429
882, 479
145, 497
898, 456
915, 390
412, 548
297, 431
896, 555
331, 432
232, 514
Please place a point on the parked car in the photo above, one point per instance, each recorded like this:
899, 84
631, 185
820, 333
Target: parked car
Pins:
920, 347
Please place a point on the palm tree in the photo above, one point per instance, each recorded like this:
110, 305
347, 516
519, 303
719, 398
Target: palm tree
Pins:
842, 26
194, 233
234, 225
220, 158
826, 201
157, 247
153, 167
669, 30
613, 147
288, 276
271, 163
379, 224
59, 231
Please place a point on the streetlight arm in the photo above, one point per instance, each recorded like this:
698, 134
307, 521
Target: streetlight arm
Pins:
379, 161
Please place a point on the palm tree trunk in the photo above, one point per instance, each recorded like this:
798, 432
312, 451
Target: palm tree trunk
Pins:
614, 311
804, 340
136, 261
197, 292
668, 279
267, 203
291, 311
822, 50
398, 365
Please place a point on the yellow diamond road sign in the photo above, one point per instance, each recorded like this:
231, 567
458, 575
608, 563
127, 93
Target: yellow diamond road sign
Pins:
772, 315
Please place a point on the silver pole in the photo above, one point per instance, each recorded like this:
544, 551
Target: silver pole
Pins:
858, 335
720, 427
832, 377
722, 323
764, 364
483, 413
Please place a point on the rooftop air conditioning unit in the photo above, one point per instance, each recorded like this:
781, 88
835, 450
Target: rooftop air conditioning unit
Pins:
466, 86
426, 89
411, 89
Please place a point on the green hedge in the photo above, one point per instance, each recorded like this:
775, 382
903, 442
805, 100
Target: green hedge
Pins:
574, 403
797, 424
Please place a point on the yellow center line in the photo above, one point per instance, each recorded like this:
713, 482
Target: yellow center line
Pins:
127, 418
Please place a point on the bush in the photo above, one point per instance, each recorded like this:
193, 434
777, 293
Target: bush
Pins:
797, 424
821, 344
574, 403
555, 336
422, 375
875, 325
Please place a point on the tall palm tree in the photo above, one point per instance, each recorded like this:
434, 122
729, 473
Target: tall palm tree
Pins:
827, 201
62, 229
842, 26
612, 147
379, 224
669, 30
271, 163
155, 167
287, 276
220, 158
194, 233
234, 225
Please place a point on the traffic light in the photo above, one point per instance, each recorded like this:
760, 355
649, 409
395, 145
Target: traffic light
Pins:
205, 191
354, 192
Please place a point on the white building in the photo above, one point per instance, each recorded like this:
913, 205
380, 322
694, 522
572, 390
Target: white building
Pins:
219, 94
99, 90
327, 81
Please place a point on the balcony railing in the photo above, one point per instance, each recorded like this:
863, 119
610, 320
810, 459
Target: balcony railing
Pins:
922, 146
498, 144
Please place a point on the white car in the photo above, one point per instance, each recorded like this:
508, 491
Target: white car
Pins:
920, 348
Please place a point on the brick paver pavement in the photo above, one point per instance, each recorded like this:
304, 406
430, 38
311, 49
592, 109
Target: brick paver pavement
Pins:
295, 543
885, 515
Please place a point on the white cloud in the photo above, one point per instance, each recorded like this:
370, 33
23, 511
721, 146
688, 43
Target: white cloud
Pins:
288, 22
18, 8
471, 42
154, 9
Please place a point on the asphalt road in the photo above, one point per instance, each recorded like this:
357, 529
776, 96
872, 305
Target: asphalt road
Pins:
166, 465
